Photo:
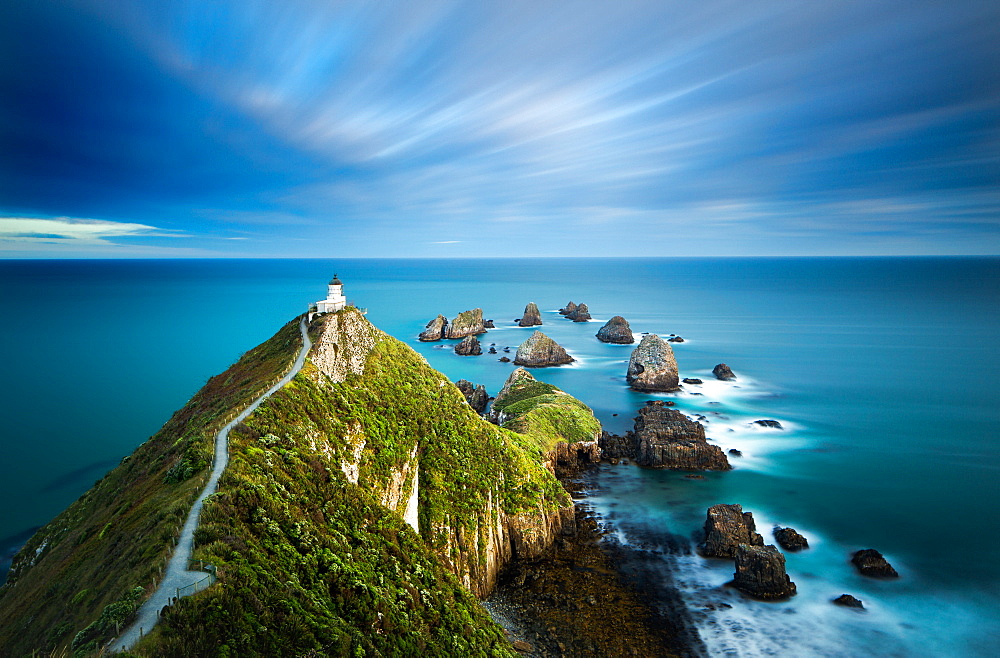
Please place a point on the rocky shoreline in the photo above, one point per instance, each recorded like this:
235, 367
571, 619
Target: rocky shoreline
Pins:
591, 597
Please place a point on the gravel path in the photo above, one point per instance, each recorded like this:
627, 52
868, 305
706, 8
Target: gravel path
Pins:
177, 576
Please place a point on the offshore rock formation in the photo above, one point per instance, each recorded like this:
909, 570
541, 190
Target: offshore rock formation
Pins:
476, 396
616, 330
435, 330
872, 563
569, 308
652, 366
849, 601
540, 351
772, 424
723, 372
468, 323
531, 316
760, 572
579, 314
488, 324
789, 539
469, 347
726, 527
666, 438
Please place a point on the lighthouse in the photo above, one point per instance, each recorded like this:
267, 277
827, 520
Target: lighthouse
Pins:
335, 300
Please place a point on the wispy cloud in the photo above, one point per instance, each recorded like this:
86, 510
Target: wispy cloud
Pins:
76, 232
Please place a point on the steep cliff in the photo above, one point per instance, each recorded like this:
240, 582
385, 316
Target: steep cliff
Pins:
358, 501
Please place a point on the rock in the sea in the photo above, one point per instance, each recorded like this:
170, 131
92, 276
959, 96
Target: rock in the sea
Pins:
675, 339
692, 380
760, 572
435, 330
580, 314
614, 446
469, 347
531, 316
769, 423
488, 324
539, 351
569, 308
468, 323
726, 527
666, 438
723, 372
735, 453
504, 359
616, 330
871, 563
789, 539
848, 601
493, 350
652, 366
476, 396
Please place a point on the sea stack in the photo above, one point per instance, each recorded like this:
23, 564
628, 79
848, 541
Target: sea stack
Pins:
726, 527
579, 314
652, 366
872, 563
617, 331
723, 372
435, 330
476, 396
789, 539
540, 351
665, 438
469, 347
760, 572
531, 316
468, 323
569, 308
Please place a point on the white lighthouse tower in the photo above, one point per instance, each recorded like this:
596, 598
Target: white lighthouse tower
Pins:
335, 300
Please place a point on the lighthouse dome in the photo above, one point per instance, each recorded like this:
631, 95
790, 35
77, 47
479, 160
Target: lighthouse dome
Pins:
335, 281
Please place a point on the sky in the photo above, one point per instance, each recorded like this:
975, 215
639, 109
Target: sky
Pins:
164, 128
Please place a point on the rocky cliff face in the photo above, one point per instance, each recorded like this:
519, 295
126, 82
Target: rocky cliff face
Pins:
666, 438
760, 572
726, 527
435, 330
531, 316
616, 330
468, 323
539, 351
652, 366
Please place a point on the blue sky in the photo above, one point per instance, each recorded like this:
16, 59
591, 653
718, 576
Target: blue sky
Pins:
327, 129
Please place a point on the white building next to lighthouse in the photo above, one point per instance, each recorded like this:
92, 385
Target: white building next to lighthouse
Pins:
335, 300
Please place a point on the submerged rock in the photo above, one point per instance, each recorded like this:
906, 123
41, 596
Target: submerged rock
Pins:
531, 317
476, 396
872, 563
735, 453
435, 330
666, 438
769, 423
675, 339
469, 347
692, 380
848, 601
580, 314
468, 323
539, 351
760, 572
726, 527
652, 366
569, 308
789, 539
723, 372
616, 330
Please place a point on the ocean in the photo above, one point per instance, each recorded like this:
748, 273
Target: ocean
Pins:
882, 372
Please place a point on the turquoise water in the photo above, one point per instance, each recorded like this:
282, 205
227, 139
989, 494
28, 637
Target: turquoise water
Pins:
883, 372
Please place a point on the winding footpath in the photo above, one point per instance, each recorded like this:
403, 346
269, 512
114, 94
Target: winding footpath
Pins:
177, 576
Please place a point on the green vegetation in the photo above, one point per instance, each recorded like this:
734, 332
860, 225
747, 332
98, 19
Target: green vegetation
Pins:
543, 413
118, 535
308, 561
